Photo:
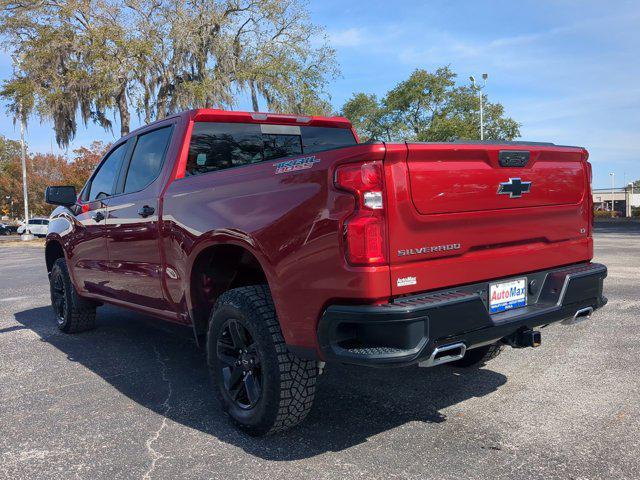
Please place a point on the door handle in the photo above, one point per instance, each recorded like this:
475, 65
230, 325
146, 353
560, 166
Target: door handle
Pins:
98, 217
146, 211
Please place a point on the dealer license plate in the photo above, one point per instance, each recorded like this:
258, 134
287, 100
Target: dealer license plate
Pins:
507, 295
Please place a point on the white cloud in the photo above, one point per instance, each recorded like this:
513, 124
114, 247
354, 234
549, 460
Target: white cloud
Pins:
350, 37
569, 79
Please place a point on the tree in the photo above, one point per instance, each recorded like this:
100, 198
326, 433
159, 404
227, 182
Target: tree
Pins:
43, 170
279, 62
8, 149
428, 107
416, 104
157, 57
9, 153
369, 117
83, 163
51, 45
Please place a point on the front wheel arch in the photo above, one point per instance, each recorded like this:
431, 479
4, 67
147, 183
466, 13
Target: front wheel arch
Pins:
73, 313
52, 252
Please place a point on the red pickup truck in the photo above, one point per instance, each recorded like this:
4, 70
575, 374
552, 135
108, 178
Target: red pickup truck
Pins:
285, 243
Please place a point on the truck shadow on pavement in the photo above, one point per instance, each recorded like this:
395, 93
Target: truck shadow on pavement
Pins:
148, 361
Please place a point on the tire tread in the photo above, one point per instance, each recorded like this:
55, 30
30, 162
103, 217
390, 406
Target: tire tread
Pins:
297, 376
82, 313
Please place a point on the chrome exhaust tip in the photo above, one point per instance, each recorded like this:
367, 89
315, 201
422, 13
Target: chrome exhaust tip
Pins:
445, 354
579, 316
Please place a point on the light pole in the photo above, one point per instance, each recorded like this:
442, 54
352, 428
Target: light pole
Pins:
631, 185
484, 84
23, 153
613, 183
26, 235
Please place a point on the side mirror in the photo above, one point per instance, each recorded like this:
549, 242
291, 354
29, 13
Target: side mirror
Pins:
64, 195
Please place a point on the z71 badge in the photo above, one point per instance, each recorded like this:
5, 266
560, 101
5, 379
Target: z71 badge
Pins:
296, 164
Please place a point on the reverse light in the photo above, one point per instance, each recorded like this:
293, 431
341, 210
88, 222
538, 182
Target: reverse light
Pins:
364, 230
373, 200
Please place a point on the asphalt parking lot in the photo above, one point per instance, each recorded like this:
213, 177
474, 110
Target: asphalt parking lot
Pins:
132, 400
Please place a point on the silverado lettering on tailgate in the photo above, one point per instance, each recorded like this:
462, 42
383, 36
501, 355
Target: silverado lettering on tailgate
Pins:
432, 249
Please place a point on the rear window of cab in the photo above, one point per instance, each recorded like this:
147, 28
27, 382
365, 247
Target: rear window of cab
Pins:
217, 146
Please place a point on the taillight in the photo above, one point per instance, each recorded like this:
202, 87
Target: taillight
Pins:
364, 231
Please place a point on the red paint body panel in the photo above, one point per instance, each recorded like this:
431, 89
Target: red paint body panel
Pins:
435, 194
290, 223
497, 236
465, 178
86, 249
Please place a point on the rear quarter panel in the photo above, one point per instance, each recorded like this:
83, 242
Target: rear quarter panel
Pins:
290, 222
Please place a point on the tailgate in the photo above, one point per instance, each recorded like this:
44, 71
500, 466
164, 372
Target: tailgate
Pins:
461, 213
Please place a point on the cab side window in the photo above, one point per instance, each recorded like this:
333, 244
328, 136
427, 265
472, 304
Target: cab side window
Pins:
216, 146
103, 182
281, 146
318, 139
148, 157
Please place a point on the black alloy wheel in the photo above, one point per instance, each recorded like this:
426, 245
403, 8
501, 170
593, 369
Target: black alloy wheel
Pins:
73, 313
59, 298
240, 365
262, 386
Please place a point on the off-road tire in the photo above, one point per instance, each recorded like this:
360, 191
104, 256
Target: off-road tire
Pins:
479, 356
77, 314
288, 383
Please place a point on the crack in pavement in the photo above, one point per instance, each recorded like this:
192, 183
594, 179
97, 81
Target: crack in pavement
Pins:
154, 454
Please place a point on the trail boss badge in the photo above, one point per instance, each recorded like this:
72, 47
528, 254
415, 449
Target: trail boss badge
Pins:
296, 164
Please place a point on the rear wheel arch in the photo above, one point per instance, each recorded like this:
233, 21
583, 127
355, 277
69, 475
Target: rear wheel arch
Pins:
217, 268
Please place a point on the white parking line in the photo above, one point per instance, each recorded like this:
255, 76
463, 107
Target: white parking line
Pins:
12, 299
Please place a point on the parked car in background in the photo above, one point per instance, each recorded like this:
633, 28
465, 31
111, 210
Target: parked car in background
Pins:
37, 226
8, 229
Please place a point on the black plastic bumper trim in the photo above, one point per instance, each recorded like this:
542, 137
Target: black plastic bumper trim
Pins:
407, 330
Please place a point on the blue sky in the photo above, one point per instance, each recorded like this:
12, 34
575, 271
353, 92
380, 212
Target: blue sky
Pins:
569, 71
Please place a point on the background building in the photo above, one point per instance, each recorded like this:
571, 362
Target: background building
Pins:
622, 198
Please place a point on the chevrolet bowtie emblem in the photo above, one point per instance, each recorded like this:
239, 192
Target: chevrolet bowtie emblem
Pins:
514, 188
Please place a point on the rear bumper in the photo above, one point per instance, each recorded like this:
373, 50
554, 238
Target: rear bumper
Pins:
408, 330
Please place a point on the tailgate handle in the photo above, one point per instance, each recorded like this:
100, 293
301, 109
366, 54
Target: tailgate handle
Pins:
513, 158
